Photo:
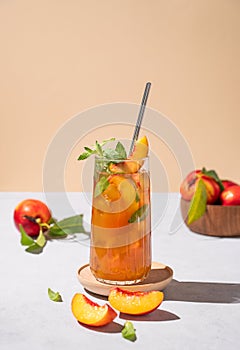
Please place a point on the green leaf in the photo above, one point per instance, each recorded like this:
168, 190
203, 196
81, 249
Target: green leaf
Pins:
108, 140
34, 249
97, 148
71, 225
198, 203
213, 175
110, 153
84, 155
137, 198
52, 221
121, 151
54, 296
128, 331
41, 240
140, 214
25, 239
101, 186
89, 150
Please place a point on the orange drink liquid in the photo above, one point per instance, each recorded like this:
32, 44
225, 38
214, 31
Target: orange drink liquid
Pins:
120, 251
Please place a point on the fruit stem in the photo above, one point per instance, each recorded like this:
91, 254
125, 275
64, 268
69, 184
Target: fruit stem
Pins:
31, 218
44, 224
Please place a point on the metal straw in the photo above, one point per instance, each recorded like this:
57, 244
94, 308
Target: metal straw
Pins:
140, 116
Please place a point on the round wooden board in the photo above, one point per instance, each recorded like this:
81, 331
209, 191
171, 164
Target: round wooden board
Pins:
159, 277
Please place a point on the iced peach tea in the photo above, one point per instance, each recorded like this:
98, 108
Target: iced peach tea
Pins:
120, 251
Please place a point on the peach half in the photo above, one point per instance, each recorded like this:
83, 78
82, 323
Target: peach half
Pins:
90, 313
135, 303
133, 163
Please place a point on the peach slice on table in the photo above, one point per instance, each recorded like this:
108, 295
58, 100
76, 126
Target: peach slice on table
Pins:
133, 163
134, 303
90, 313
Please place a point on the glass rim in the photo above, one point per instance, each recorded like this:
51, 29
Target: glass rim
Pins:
109, 160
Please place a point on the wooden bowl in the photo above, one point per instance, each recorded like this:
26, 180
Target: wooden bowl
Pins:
218, 220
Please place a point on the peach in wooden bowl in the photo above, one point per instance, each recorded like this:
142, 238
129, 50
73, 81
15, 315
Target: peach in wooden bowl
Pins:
215, 204
218, 220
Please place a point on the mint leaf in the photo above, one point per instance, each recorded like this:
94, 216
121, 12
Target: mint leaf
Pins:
214, 176
110, 153
140, 214
97, 149
89, 150
121, 151
25, 239
34, 249
128, 331
137, 198
54, 296
73, 224
101, 186
198, 203
84, 155
108, 140
41, 240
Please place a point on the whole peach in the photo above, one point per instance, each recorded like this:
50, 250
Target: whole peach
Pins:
188, 186
231, 196
29, 213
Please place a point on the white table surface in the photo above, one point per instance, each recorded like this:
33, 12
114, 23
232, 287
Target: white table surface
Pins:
201, 309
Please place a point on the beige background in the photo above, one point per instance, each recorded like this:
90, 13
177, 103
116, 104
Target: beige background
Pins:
61, 57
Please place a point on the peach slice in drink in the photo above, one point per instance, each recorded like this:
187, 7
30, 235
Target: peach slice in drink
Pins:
140, 149
119, 196
133, 163
142, 181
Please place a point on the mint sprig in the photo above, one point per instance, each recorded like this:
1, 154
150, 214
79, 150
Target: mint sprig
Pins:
117, 154
128, 331
198, 202
96, 149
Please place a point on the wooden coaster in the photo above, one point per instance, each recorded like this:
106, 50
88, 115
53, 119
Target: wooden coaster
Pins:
159, 277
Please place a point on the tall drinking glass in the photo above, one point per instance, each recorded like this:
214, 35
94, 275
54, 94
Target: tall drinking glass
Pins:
120, 251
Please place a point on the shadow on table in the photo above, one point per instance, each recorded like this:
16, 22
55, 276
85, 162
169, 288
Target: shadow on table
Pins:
156, 315
112, 327
203, 292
